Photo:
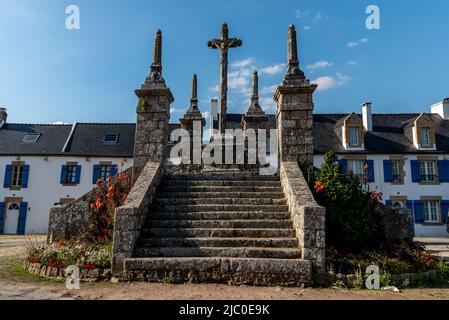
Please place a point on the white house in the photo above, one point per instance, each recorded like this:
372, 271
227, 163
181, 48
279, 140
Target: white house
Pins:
45, 165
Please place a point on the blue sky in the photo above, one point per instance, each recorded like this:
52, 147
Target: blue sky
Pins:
50, 74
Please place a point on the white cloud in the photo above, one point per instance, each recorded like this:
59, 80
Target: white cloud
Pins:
242, 63
364, 40
175, 110
307, 28
352, 44
215, 88
268, 90
301, 14
267, 104
353, 63
319, 65
205, 115
274, 69
328, 82
60, 123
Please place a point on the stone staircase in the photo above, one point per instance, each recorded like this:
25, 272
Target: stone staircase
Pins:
226, 227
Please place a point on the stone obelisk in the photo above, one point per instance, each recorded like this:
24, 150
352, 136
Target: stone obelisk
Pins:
224, 43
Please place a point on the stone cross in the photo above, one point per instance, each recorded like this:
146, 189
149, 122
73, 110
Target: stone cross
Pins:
223, 44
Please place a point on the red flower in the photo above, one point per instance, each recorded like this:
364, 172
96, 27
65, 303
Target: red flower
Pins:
88, 266
122, 163
99, 182
109, 180
319, 186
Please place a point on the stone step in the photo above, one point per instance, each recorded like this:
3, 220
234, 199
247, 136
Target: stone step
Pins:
222, 195
220, 207
219, 201
233, 271
237, 252
219, 242
217, 189
218, 233
217, 215
239, 224
215, 183
220, 177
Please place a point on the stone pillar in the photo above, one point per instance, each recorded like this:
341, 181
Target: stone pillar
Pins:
294, 98
153, 114
194, 122
255, 118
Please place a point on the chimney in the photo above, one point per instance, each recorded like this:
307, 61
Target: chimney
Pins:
3, 117
367, 116
442, 108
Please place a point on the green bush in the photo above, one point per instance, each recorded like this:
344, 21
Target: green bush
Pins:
443, 272
351, 220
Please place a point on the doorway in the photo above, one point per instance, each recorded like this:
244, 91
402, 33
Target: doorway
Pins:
12, 218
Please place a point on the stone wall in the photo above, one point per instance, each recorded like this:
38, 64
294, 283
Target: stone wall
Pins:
308, 217
397, 223
70, 221
130, 218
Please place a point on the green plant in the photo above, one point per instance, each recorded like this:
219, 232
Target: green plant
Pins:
352, 222
421, 280
385, 279
405, 284
443, 271
170, 279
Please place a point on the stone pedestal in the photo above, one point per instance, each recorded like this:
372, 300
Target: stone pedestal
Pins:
295, 121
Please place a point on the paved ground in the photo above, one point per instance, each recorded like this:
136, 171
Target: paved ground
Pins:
14, 284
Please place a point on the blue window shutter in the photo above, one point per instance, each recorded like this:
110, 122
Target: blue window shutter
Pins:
388, 171
419, 214
444, 210
114, 170
22, 218
344, 165
25, 174
8, 172
389, 203
63, 174
443, 170
370, 172
2, 217
416, 171
78, 175
96, 174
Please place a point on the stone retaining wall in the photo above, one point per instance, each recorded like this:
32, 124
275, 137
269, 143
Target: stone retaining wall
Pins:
308, 217
59, 273
70, 221
130, 218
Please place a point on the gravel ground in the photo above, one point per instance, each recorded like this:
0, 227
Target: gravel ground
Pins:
17, 285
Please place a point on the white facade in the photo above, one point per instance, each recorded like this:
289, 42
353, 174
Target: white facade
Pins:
44, 188
409, 190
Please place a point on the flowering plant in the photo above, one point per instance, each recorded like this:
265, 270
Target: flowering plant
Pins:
106, 198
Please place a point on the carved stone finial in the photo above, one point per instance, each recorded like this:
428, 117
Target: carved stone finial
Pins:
155, 76
293, 71
224, 31
194, 88
254, 108
193, 111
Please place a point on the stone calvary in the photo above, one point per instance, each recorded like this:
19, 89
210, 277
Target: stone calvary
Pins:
225, 220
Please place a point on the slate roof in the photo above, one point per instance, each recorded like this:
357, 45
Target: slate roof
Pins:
387, 137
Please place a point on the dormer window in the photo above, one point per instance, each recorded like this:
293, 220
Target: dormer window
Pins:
31, 137
110, 138
354, 137
425, 137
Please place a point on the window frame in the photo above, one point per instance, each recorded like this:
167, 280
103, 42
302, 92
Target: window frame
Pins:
422, 131
17, 175
71, 173
427, 175
107, 172
350, 167
111, 134
35, 135
357, 137
429, 214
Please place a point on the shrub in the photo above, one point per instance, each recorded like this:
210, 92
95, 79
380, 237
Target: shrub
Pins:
351, 219
107, 197
443, 272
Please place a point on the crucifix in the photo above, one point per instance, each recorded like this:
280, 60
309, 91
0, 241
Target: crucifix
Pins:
223, 44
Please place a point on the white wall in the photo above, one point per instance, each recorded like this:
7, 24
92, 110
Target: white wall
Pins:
44, 188
413, 191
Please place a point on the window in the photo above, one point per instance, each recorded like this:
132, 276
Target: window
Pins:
71, 174
13, 206
354, 136
425, 137
105, 172
431, 211
110, 138
356, 167
17, 176
396, 170
428, 171
31, 137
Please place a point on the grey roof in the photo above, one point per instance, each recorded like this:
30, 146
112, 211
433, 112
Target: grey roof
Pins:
388, 136
87, 140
